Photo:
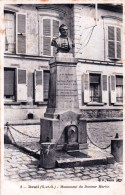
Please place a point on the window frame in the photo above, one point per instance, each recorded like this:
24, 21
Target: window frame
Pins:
99, 85
15, 87
116, 24
121, 102
104, 89
24, 34
41, 18
14, 14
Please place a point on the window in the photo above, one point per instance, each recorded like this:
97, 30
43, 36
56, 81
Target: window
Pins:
9, 84
41, 85
15, 85
95, 88
116, 89
15, 32
119, 89
114, 42
49, 29
10, 32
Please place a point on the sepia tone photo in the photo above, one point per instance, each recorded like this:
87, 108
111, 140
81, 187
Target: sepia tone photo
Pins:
63, 92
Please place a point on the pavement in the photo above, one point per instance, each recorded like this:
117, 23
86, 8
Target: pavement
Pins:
21, 167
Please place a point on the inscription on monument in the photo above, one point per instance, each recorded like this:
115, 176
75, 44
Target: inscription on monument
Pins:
66, 87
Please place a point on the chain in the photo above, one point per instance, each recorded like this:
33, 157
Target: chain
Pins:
21, 132
96, 145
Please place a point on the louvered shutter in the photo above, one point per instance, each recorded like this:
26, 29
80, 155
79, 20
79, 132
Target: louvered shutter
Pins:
46, 84
118, 41
113, 89
104, 89
21, 33
21, 85
85, 84
38, 79
47, 37
111, 42
55, 32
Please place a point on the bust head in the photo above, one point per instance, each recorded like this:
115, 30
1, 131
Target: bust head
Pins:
63, 29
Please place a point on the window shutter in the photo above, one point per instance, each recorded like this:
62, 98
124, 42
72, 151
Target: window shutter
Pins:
21, 33
21, 85
47, 37
55, 28
113, 89
104, 89
111, 42
46, 84
55, 32
118, 39
38, 79
85, 84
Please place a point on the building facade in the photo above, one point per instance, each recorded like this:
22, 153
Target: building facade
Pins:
97, 35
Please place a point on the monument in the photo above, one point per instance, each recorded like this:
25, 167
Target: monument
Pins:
62, 123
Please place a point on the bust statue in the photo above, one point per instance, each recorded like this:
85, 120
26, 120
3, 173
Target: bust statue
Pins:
63, 43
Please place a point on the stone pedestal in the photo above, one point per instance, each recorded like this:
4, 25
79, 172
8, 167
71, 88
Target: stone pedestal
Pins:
47, 155
117, 149
62, 123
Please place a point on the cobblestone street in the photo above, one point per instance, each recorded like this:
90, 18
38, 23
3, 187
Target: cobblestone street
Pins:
21, 167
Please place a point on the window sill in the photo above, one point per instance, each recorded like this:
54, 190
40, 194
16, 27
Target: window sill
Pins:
118, 104
41, 103
95, 104
12, 103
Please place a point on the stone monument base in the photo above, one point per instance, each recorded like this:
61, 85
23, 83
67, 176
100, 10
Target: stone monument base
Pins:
68, 132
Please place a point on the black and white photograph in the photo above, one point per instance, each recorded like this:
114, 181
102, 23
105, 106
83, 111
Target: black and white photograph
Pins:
62, 95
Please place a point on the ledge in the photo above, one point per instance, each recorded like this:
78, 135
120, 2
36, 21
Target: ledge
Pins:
89, 120
24, 122
25, 56
95, 104
99, 62
12, 103
118, 104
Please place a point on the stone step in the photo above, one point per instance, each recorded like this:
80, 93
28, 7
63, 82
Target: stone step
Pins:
92, 158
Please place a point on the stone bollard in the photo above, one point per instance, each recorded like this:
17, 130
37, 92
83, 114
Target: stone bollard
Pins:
117, 148
47, 155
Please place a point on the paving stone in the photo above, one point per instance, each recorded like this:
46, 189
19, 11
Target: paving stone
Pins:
24, 175
69, 169
50, 174
86, 177
94, 179
94, 175
50, 171
94, 172
76, 179
79, 174
33, 173
60, 173
14, 176
41, 172
70, 176
12, 170
59, 170
102, 173
78, 171
27, 179
69, 172
104, 177
58, 176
